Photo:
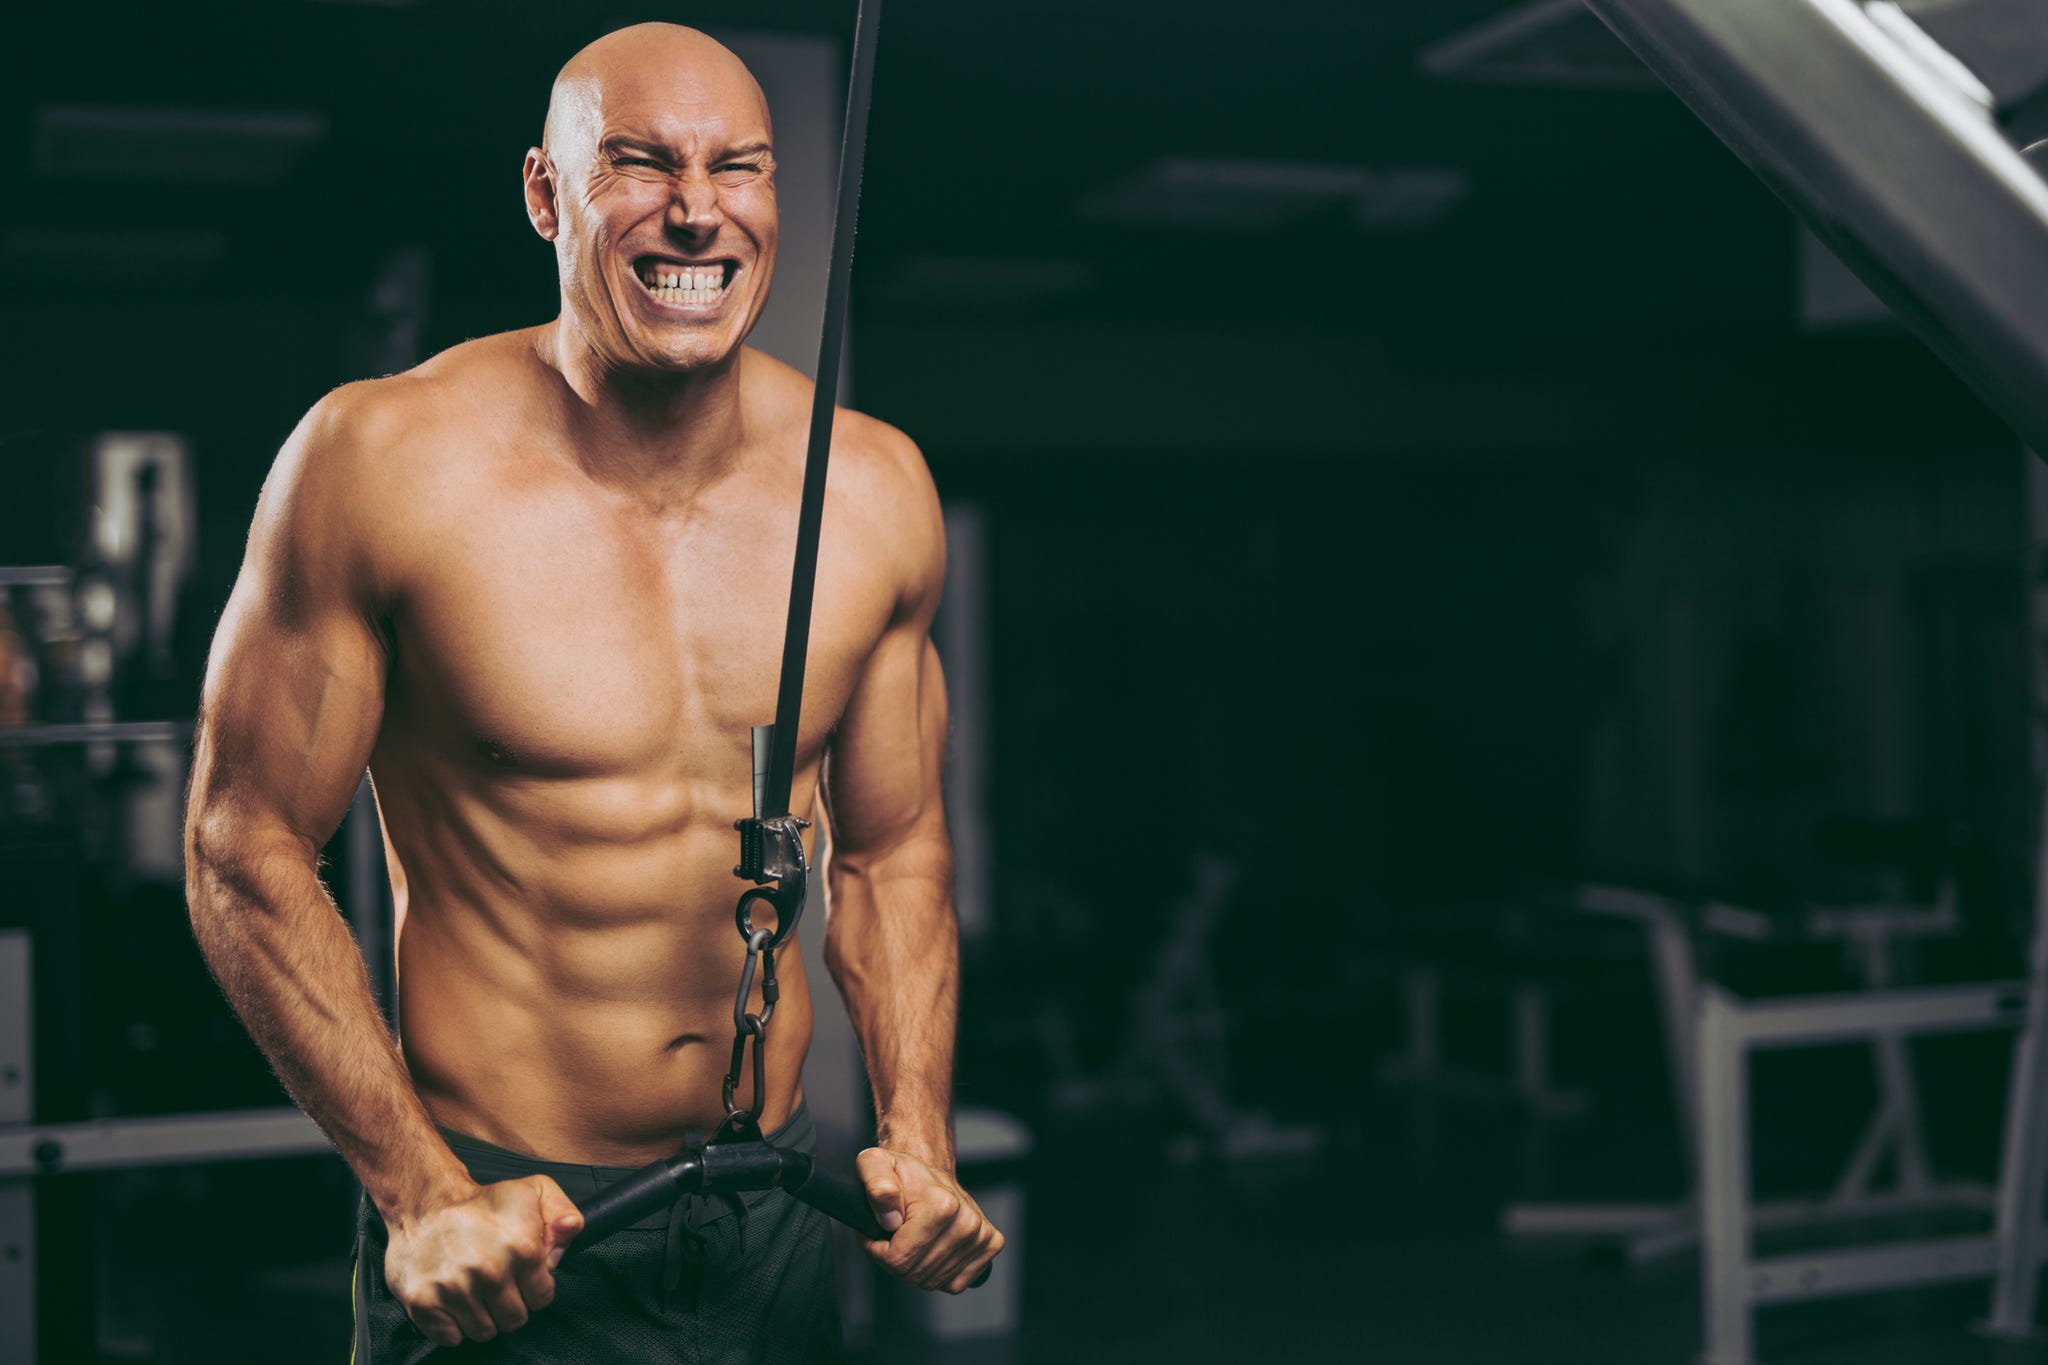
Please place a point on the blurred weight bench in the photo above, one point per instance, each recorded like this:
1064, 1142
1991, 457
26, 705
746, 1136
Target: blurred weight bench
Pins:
1710, 1032
1524, 953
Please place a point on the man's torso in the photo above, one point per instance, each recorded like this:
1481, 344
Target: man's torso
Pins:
574, 671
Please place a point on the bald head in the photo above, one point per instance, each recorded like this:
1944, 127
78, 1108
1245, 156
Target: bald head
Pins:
646, 65
655, 181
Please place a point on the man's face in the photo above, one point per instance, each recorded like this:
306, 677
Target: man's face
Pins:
665, 217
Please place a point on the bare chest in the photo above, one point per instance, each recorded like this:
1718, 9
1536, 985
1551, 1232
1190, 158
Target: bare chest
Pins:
557, 637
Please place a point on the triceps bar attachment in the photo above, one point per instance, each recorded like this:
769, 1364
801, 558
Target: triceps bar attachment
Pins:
738, 1158
745, 1162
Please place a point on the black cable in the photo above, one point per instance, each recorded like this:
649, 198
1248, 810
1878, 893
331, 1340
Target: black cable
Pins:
796, 637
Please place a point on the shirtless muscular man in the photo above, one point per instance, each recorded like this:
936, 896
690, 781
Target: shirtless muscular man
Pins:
536, 586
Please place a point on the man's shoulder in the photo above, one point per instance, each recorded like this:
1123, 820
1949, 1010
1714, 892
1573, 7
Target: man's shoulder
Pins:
885, 461
881, 483
377, 463
444, 394
391, 433
872, 461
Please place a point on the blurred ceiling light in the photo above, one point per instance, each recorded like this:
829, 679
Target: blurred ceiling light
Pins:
979, 280
1549, 42
195, 146
1214, 192
1410, 198
157, 250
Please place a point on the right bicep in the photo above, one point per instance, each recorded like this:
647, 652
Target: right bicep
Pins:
294, 686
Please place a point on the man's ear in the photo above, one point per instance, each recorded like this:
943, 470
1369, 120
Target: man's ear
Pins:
540, 193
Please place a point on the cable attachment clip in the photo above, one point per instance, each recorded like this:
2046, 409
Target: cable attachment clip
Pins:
771, 850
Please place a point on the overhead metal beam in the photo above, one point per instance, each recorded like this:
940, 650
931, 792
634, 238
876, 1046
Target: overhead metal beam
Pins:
1543, 42
1899, 169
2004, 42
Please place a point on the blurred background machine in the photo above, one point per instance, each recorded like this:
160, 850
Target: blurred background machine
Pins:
1902, 135
115, 1050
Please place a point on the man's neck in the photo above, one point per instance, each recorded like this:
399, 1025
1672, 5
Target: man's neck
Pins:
656, 433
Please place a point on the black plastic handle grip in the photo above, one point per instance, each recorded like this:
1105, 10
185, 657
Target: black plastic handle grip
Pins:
840, 1199
834, 1196
625, 1203
657, 1186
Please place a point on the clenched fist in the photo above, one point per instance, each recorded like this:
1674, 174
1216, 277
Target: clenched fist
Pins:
938, 1236
483, 1264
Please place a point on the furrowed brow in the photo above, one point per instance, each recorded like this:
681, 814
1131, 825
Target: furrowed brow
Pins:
615, 145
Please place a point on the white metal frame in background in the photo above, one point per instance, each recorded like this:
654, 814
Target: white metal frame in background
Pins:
1710, 1034
1887, 142
1735, 1279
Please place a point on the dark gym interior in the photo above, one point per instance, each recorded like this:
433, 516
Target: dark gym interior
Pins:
1460, 603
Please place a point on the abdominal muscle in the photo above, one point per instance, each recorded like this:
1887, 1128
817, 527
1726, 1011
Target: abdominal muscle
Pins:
567, 962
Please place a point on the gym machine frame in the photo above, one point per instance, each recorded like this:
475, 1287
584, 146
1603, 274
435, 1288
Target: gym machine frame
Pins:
1710, 1033
30, 1150
1885, 127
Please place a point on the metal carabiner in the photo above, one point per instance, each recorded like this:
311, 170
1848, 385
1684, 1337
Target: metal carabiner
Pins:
760, 942
750, 1026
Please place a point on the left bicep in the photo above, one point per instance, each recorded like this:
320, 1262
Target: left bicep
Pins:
883, 776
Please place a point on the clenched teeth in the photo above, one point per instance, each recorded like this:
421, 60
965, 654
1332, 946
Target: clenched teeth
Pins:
684, 284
